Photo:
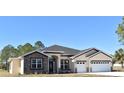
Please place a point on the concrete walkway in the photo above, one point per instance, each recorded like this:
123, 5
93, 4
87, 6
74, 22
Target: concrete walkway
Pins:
118, 74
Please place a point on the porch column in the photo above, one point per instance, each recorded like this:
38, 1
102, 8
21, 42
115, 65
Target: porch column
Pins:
73, 65
22, 66
59, 65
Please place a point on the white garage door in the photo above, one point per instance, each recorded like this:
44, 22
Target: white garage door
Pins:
81, 67
100, 66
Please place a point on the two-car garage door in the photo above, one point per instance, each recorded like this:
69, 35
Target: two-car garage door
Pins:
100, 66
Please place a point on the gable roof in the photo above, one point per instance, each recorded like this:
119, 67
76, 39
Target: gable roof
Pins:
61, 49
81, 52
32, 52
99, 53
90, 53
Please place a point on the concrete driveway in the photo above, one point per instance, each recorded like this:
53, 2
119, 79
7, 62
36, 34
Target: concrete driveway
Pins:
118, 74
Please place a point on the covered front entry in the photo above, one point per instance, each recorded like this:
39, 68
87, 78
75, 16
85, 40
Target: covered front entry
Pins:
53, 64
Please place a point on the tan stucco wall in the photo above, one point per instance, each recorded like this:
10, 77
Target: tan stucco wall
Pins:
15, 66
101, 56
81, 57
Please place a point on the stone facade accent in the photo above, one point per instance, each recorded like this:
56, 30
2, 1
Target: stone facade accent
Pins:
27, 63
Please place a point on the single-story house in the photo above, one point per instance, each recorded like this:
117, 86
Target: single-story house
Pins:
60, 59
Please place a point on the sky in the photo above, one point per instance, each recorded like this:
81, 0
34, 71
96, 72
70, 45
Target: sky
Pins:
78, 32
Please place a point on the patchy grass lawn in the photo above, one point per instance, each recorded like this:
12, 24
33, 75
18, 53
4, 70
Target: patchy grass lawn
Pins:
65, 75
4, 73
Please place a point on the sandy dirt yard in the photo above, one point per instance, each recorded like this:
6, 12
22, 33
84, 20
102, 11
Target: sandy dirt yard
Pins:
4, 73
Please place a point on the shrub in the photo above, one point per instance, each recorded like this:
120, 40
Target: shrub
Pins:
2, 66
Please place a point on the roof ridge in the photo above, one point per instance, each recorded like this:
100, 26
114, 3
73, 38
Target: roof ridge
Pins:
64, 47
84, 51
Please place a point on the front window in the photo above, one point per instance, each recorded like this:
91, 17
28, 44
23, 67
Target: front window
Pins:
65, 64
36, 63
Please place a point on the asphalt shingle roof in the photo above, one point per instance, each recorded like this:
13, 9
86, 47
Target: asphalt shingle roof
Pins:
66, 50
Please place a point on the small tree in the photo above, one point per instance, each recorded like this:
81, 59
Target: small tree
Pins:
113, 60
120, 31
119, 57
39, 44
7, 52
25, 48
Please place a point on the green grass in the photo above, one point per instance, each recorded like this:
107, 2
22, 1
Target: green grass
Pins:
4, 73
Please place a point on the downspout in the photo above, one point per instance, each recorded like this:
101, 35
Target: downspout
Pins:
59, 65
48, 64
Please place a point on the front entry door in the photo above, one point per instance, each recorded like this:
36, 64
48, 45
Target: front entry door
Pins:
52, 67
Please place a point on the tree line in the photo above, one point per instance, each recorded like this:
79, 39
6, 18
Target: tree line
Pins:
10, 51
